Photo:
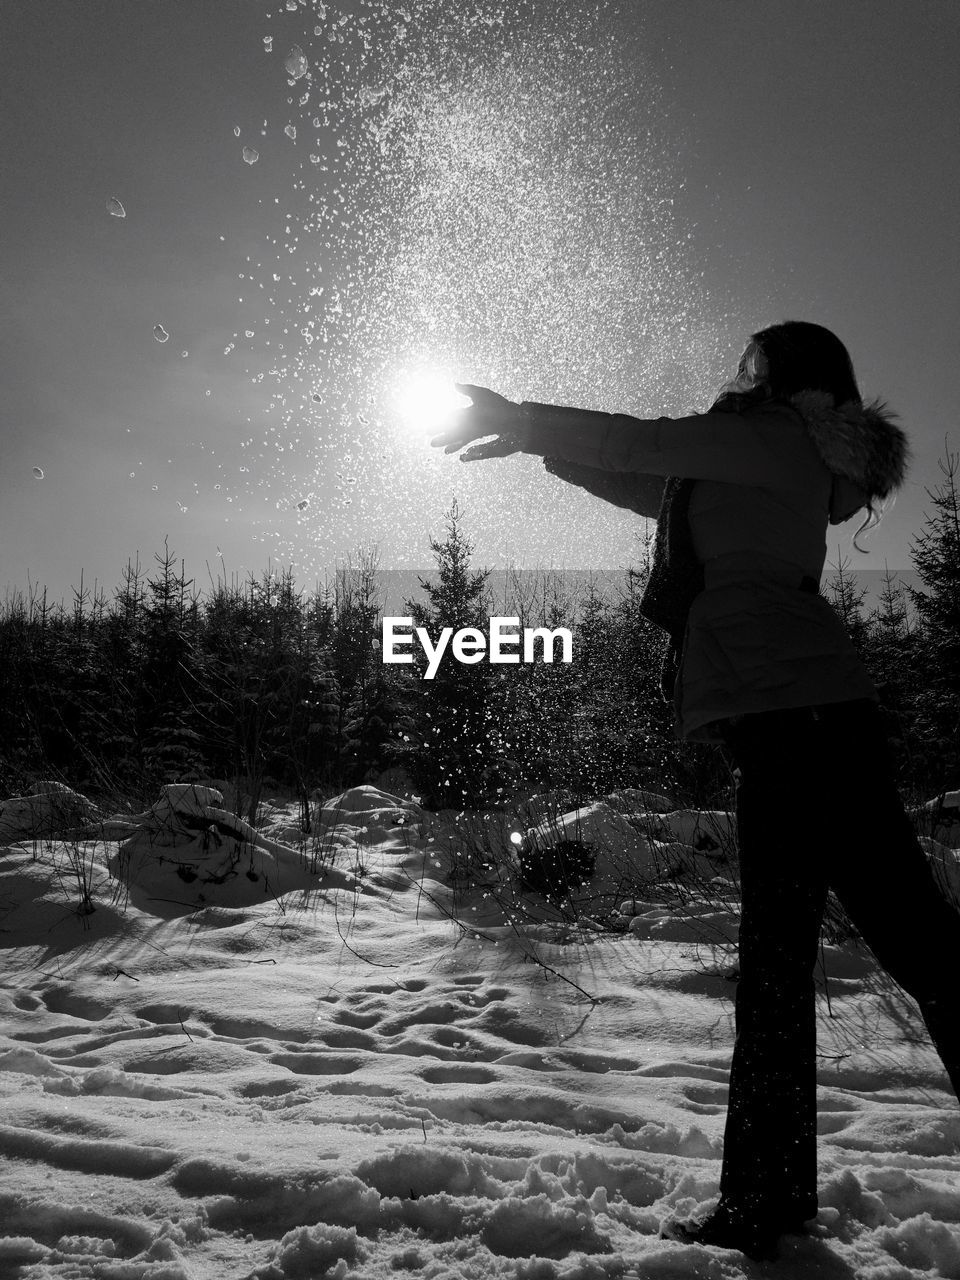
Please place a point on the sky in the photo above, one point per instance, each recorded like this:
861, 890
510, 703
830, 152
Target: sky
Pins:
583, 204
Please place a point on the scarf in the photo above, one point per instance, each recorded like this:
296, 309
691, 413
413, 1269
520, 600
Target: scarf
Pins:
676, 575
675, 579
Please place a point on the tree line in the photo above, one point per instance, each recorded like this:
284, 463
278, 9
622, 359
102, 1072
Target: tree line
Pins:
264, 685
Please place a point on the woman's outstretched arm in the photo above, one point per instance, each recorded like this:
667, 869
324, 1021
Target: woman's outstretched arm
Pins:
630, 490
732, 447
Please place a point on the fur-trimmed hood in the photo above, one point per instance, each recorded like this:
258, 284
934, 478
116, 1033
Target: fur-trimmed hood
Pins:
861, 444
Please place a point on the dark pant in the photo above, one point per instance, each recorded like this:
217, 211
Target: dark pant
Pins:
818, 808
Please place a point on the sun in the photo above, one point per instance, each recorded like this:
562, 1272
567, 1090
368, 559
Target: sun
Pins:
427, 400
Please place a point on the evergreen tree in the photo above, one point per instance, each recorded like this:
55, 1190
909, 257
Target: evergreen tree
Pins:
889, 626
596, 721
20, 749
891, 660
314, 751
936, 554
847, 599
450, 758
170, 680
323, 729
362, 711
531, 705
255, 681
122, 647
372, 716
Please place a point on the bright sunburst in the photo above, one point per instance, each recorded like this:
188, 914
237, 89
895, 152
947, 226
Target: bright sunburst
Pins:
427, 400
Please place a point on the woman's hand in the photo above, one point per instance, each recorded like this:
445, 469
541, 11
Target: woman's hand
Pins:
489, 414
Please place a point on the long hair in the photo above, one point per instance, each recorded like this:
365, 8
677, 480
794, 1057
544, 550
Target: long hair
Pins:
796, 356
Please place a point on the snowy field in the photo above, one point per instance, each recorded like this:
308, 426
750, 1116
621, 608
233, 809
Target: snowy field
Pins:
230, 1052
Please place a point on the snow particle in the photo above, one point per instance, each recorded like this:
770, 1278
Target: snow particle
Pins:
38, 472
250, 156
115, 208
296, 64
160, 333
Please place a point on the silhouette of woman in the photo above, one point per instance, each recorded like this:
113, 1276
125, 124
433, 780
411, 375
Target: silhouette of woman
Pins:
759, 662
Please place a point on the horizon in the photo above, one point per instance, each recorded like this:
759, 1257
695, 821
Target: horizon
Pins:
400, 584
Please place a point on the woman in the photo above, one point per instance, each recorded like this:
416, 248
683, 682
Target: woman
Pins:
760, 663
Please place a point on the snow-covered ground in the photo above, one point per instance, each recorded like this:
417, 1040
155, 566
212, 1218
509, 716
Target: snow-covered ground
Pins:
252, 1058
